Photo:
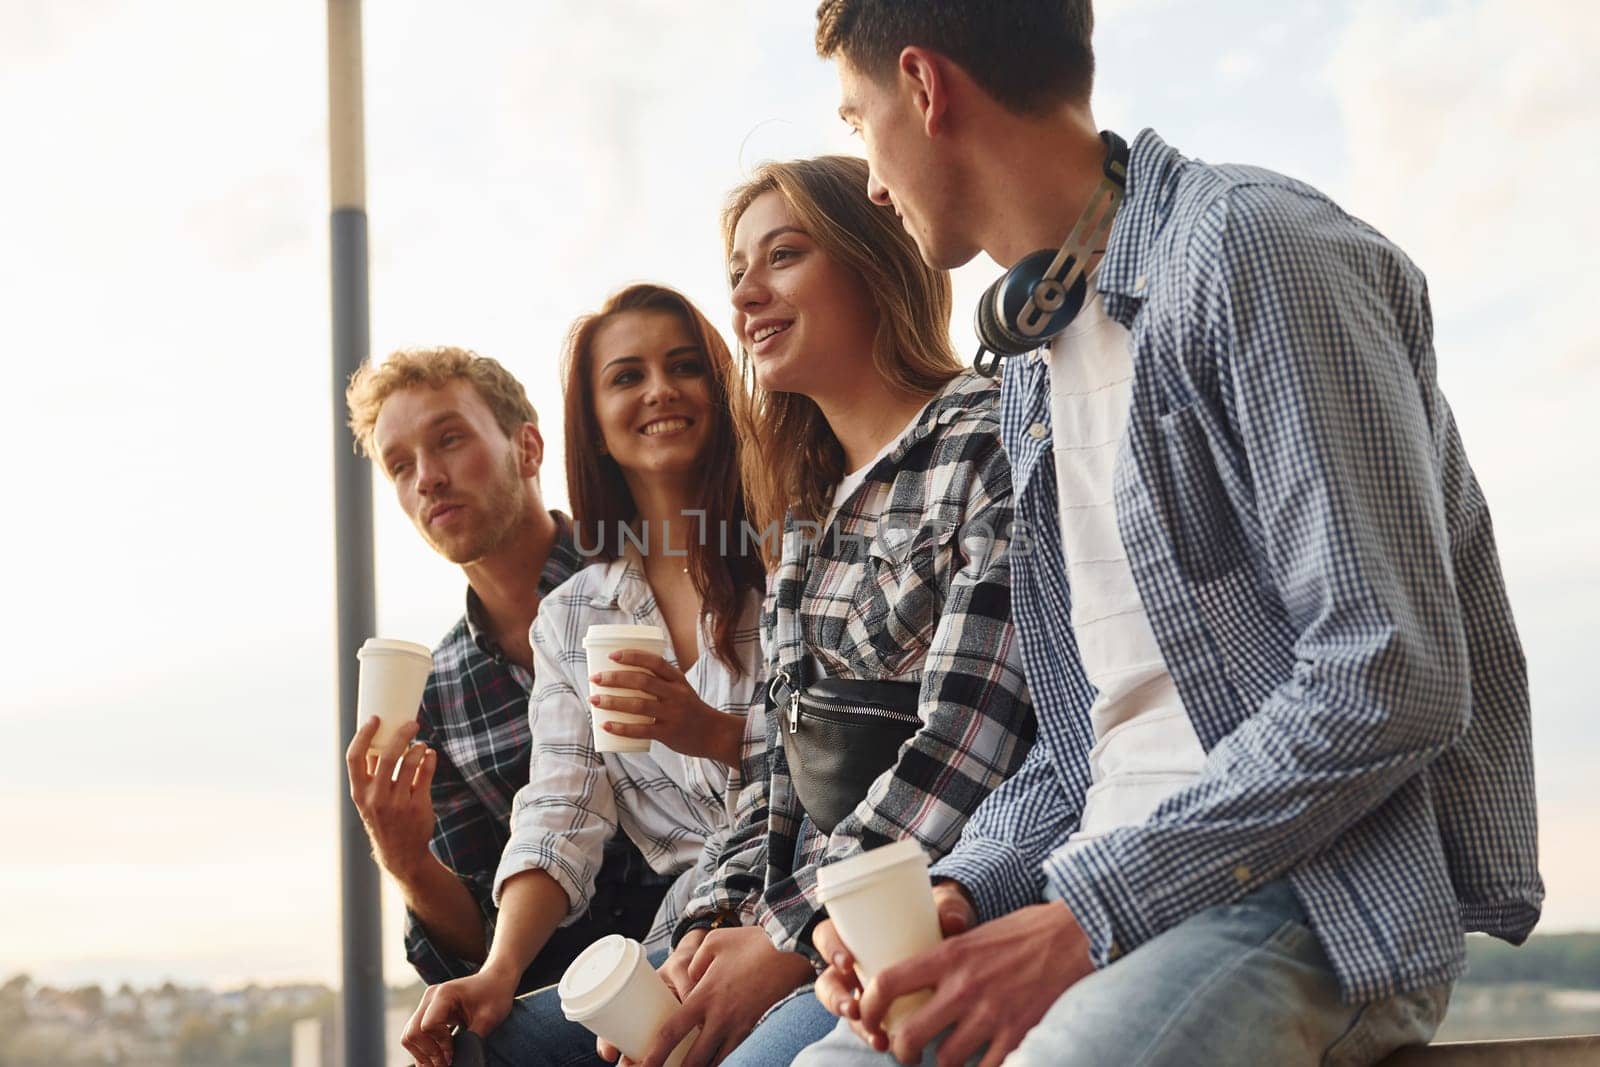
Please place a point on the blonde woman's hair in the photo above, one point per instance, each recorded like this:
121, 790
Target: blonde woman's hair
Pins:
790, 457
432, 368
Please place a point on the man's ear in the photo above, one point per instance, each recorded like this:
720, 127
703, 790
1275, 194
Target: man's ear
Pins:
925, 76
530, 450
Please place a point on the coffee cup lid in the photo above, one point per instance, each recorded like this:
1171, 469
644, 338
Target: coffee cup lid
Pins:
622, 633
841, 877
597, 975
385, 644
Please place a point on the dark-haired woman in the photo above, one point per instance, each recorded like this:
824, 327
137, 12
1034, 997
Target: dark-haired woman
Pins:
653, 473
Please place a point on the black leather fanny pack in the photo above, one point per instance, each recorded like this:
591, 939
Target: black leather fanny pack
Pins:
839, 735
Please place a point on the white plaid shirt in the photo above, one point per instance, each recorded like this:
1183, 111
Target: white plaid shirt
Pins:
1318, 566
673, 807
911, 582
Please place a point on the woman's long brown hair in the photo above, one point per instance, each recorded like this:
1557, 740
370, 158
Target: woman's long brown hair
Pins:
601, 501
790, 456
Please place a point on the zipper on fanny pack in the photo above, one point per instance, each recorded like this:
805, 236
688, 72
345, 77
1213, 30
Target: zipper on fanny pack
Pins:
782, 677
856, 711
794, 698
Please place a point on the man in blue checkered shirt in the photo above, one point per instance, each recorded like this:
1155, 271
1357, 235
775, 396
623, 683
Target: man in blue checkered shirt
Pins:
1283, 761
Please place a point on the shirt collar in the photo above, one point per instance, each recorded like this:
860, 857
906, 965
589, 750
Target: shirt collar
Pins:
562, 563
947, 404
1153, 171
609, 594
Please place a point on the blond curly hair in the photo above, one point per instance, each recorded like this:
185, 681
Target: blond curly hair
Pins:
432, 368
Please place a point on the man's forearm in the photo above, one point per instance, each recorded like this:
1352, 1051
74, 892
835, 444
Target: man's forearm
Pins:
446, 909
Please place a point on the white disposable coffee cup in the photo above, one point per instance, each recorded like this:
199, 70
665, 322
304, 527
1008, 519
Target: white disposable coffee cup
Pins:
612, 991
393, 676
599, 642
881, 902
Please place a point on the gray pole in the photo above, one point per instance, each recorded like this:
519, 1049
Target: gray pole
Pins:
363, 995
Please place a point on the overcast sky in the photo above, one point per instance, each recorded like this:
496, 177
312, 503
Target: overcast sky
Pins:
170, 766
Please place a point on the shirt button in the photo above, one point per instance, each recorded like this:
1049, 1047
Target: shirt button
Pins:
1139, 283
1037, 431
1241, 873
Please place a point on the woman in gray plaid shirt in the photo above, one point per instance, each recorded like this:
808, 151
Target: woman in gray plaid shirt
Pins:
880, 460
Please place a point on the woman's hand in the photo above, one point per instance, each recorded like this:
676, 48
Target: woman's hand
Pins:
683, 722
478, 1003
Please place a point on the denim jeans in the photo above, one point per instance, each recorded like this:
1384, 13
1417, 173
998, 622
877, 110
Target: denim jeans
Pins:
1243, 983
536, 1034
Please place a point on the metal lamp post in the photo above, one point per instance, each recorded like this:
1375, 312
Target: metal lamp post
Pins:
363, 993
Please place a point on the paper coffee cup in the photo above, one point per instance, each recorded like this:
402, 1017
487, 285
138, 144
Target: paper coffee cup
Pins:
612, 991
393, 676
599, 642
881, 902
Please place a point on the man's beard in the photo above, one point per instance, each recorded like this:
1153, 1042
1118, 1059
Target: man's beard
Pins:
504, 506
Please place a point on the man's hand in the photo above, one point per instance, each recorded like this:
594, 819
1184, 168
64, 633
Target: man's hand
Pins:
734, 977
397, 810
839, 987
674, 972
683, 722
990, 985
478, 1003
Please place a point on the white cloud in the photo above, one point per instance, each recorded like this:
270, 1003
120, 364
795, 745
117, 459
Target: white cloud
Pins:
1238, 65
1473, 142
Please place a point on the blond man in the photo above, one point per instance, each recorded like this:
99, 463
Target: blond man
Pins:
455, 435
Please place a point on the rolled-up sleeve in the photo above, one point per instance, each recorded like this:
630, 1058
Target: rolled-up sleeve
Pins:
463, 831
740, 869
560, 820
432, 963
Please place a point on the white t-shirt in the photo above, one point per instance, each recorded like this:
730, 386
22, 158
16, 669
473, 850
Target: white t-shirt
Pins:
1146, 749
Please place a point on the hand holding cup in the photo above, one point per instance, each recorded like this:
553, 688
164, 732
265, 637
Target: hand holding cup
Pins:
670, 709
839, 987
881, 909
611, 990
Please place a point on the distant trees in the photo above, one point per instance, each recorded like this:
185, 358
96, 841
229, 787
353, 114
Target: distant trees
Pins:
201, 1041
1567, 961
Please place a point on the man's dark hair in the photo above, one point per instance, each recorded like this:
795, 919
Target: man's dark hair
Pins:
1027, 54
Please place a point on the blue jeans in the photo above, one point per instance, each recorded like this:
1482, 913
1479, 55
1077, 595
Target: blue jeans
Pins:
1239, 984
536, 1034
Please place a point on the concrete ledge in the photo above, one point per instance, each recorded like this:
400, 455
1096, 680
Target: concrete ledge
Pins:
1537, 1052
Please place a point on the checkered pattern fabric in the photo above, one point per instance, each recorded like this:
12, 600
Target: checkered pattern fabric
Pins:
475, 715
675, 808
1318, 565
911, 582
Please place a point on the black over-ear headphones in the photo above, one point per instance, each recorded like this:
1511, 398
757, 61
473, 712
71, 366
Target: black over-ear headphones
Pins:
1044, 291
